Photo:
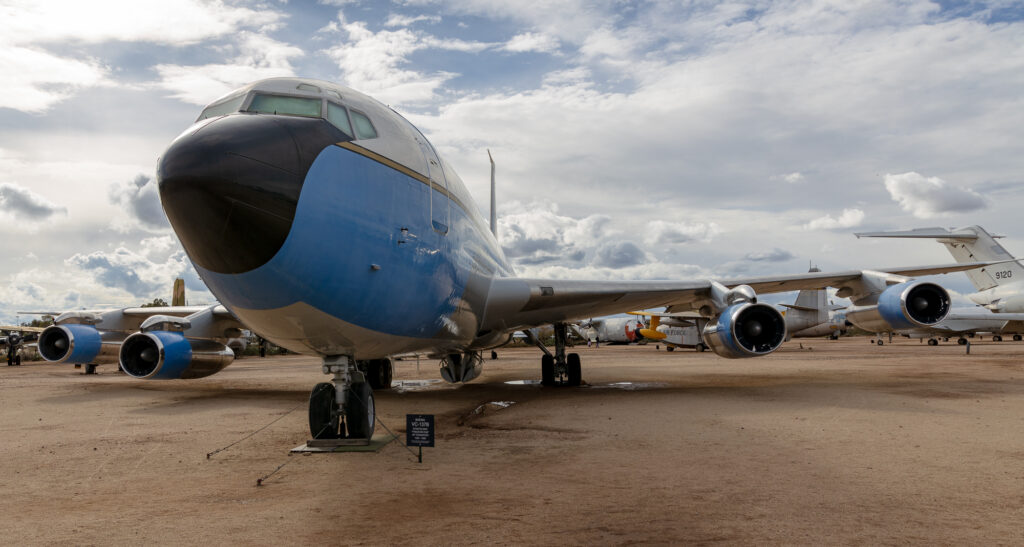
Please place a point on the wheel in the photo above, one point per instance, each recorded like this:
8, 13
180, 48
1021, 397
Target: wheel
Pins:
360, 416
90, 368
575, 370
700, 346
494, 355
323, 422
547, 370
962, 341
670, 348
997, 338
379, 373
17, 361
933, 342
1016, 338
879, 342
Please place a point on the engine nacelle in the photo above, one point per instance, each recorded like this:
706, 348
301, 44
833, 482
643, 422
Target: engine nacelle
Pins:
461, 367
907, 305
746, 330
166, 355
79, 344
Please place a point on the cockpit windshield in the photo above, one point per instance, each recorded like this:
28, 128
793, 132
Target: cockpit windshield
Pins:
226, 106
285, 105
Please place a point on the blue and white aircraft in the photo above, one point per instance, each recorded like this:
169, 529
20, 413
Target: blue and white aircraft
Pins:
328, 224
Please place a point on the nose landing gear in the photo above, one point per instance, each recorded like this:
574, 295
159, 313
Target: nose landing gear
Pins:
342, 408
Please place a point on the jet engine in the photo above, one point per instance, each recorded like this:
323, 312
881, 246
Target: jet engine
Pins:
166, 355
461, 367
78, 343
907, 305
746, 330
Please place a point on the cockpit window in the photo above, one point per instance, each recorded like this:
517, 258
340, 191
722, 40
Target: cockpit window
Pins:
284, 105
364, 129
339, 117
226, 106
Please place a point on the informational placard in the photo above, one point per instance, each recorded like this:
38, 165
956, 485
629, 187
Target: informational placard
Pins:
419, 430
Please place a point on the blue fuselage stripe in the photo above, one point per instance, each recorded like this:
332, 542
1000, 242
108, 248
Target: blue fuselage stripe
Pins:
347, 254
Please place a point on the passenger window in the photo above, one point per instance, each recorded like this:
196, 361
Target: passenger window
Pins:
339, 117
364, 129
290, 106
225, 107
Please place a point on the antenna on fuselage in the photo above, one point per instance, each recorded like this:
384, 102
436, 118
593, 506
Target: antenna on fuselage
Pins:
494, 207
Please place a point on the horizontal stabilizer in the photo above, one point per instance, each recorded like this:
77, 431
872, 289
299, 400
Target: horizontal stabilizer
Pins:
926, 233
799, 308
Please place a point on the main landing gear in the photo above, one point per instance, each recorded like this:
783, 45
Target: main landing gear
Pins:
933, 342
343, 407
561, 369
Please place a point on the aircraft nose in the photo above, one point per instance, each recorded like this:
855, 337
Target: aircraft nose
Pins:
230, 188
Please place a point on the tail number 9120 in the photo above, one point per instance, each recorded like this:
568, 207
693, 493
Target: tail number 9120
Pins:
1004, 274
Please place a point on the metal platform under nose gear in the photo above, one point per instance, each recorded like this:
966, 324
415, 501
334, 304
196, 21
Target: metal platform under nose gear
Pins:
561, 369
342, 408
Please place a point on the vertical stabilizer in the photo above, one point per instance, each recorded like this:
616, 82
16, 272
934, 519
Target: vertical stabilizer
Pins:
970, 244
816, 300
494, 206
178, 295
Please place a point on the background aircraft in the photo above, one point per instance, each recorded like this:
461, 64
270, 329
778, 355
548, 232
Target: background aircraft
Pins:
612, 330
328, 224
14, 339
809, 316
1000, 287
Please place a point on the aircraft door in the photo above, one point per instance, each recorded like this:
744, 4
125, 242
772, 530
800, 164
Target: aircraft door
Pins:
439, 204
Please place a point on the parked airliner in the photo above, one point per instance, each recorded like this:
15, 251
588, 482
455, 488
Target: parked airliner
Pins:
328, 224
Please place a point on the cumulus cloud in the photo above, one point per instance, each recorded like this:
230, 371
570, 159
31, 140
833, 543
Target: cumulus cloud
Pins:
138, 275
140, 198
659, 232
36, 78
619, 254
255, 56
24, 204
774, 255
928, 197
848, 219
531, 41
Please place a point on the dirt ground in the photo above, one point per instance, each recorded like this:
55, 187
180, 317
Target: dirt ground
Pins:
820, 443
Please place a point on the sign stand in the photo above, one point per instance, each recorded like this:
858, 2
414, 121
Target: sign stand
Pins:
419, 431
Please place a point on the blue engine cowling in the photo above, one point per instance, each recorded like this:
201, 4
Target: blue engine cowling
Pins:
166, 355
79, 344
746, 330
909, 305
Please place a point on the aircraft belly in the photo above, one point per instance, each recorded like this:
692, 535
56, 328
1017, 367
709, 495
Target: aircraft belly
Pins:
361, 242
302, 328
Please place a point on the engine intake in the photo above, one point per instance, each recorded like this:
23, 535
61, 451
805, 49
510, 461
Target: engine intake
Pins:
746, 330
165, 355
907, 305
80, 344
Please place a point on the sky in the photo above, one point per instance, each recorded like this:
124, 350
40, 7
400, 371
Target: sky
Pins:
633, 140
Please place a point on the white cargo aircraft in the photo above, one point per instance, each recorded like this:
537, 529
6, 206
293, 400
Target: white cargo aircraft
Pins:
328, 224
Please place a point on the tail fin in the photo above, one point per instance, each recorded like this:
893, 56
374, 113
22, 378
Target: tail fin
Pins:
970, 244
812, 303
178, 295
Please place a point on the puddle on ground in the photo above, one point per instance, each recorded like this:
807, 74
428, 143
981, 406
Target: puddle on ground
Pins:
523, 382
630, 386
402, 386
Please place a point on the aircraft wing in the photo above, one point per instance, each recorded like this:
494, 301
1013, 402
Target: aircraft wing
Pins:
514, 303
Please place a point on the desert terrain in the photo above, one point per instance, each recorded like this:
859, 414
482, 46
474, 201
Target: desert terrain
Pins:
823, 442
